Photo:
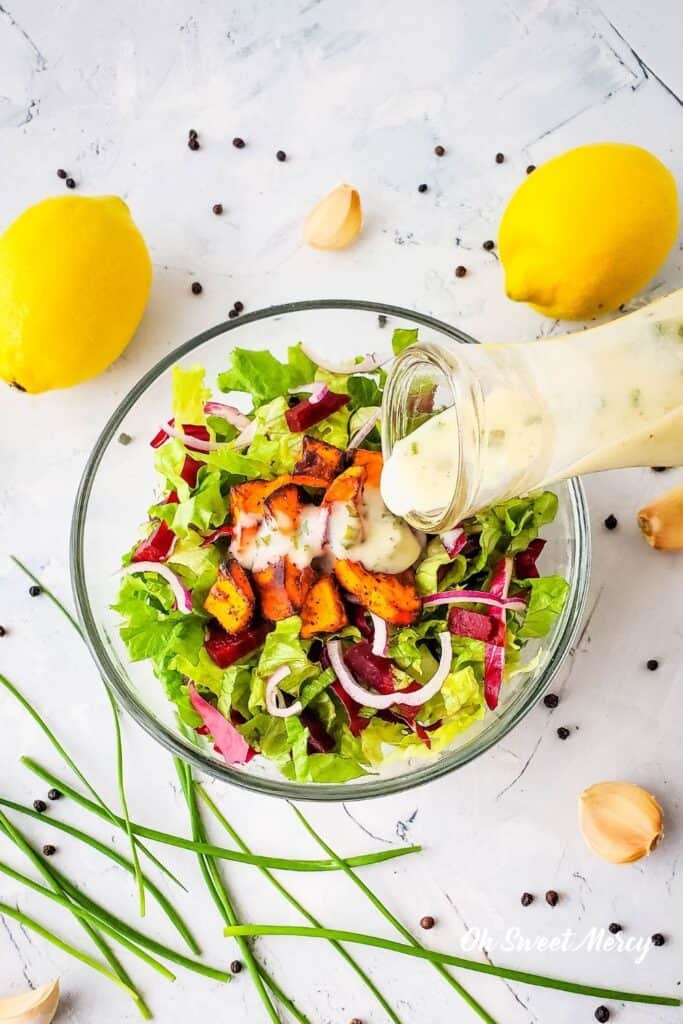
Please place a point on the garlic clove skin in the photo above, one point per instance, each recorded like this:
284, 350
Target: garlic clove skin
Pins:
38, 1006
336, 221
621, 822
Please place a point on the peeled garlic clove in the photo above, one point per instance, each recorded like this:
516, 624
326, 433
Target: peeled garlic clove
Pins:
620, 821
35, 1007
335, 221
662, 521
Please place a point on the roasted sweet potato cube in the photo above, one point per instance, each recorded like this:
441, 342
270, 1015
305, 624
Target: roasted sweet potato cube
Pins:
318, 460
348, 486
231, 599
372, 463
323, 610
249, 498
284, 507
298, 582
392, 597
270, 582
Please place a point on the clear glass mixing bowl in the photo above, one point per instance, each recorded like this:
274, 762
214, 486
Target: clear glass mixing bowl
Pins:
118, 485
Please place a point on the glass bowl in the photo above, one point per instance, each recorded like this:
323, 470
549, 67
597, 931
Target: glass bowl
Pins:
118, 486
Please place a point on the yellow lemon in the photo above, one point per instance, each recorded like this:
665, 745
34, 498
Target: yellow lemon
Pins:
586, 231
75, 275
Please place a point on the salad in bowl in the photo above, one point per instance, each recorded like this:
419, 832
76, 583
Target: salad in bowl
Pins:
286, 612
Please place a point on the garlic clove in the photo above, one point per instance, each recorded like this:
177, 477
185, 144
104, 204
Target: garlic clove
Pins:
38, 1006
335, 221
662, 521
621, 822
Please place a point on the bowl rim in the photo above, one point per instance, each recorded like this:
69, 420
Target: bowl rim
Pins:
427, 771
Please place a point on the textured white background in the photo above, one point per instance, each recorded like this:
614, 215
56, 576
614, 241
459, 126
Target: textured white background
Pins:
361, 92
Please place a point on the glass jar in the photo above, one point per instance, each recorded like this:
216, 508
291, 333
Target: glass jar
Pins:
466, 426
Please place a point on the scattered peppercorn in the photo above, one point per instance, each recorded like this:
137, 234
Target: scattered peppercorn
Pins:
500, 157
439, 150
217, 208
35, 590
563, 732
527, 899
54, 794
49, 850
193, 143
422, 187
652, 664
427, 922
489, 244
616, 928
40, 806
238, 143
281, 155
233, 313
3, 631
602, 1014
551, 898
460, 271
551, 700
236, 966
70, 183
124, 438
61, 173
239, 306
192, 134
660, 469
356, 1020
381, 320
197, 288
611, 522
531, 168
658, 939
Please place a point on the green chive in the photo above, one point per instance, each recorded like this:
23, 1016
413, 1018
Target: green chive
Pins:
124, 804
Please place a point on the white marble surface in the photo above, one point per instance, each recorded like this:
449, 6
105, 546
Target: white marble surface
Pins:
360, 92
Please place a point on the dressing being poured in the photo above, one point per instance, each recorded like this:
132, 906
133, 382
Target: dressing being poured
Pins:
523, 416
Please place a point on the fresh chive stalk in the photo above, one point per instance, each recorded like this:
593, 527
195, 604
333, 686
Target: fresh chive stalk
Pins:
294, 902
278, 863
217, 889
394, 921
420, 953
124, 804
113, 855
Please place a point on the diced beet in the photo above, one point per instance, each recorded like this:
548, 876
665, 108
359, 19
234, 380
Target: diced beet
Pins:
190, 470
161, 436
356, 721
226, 648
157, 546
476, 626
369, 669
525, 561
359, 619
228, 741
319, 739
307, 413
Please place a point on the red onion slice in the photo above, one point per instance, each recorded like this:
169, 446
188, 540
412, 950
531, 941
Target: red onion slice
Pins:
380, 638
274, 697
363, 431
382, 701
228, 741
372, 361
317, 390
244, 439
194, 442
182, 595
228, 413
513, 604
454, 541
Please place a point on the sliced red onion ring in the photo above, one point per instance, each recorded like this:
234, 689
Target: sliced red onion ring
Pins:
228, 413
274, 697
380, 637
317, 390
513, 604
363, 431
454, 541
182, 595
372, 361
382, 701
194, 442
244, 439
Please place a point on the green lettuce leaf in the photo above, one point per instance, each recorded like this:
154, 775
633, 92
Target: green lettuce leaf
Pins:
402, 338
364, 392
264, 377
189, 395
435, 557
546, 601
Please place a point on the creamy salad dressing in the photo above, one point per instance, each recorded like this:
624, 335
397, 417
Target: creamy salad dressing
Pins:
600, 399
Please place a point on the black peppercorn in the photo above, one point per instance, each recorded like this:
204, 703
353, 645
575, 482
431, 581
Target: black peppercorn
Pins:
460, 271
500, 157
427, 922
531, 168
193, 143
197, 288
35, 590
233, 313
602, 1014
3, 631
239, 306
356, 1020
658, 939
551, 700
61, 173
660, 469
238, 143
40, 806
281, 155
488, 245
70, 183
527, 899
192, 134
217, 208
563, 732
616, 928
54, 794
611, 522
422, 187
551, 898
381, 320
236, 966
49, 850
439, 150
652, 664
